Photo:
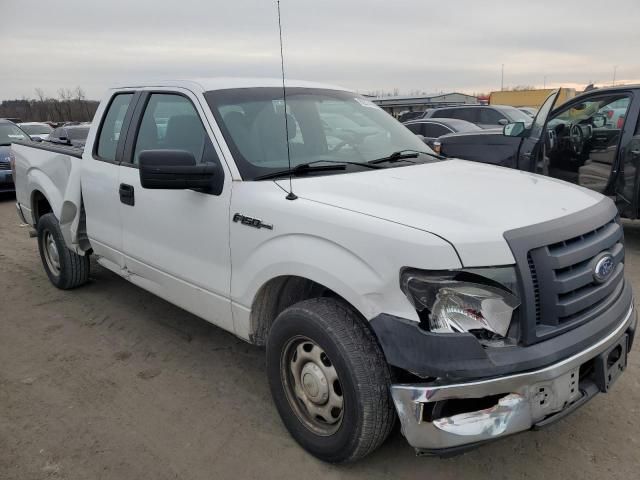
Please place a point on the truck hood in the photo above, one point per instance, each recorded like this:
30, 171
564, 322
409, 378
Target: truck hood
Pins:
468, 204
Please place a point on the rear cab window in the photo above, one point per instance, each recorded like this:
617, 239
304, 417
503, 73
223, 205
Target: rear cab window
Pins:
111, 128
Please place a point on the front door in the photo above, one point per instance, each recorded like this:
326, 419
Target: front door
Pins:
531, 155
176, 242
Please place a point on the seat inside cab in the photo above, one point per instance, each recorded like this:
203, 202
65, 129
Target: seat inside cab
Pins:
584, 140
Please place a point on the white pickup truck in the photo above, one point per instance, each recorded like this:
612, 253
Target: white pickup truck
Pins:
478, 301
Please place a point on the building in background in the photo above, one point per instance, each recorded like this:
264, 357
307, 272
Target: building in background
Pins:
529, 98
398, 105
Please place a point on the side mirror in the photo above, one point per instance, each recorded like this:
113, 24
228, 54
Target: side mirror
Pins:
174, 170
513, 129
36, 139
63, 139
503, 121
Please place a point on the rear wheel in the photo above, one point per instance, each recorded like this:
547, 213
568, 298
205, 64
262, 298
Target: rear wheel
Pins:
65, 269
329, 380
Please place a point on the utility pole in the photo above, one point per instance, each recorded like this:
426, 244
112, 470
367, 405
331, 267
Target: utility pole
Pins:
502, 78
615, 67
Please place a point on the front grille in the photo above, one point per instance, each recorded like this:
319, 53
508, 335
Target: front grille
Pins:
536, 285
564, 273
556, 261
5, 166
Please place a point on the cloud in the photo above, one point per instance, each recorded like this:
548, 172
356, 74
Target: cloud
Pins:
364, 45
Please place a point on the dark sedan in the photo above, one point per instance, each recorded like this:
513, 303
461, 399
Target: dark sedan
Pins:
9, 132
432, 128
75, 135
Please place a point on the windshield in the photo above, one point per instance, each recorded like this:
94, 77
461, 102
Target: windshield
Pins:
11, 133
323, 124
515, 115
587, 109
37, 129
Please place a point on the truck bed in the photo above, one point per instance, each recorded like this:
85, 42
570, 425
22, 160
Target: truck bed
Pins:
51, 171
54, 147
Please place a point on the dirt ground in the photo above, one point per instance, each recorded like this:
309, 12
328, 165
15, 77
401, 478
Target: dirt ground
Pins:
111, 382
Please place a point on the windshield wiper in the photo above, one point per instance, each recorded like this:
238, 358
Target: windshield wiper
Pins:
303, 168
402, 155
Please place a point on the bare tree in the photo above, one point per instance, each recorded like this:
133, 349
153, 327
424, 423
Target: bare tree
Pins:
72, 105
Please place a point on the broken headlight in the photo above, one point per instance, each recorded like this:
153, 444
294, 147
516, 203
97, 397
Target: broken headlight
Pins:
478, 301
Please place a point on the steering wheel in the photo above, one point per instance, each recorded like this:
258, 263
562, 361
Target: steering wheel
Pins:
576, 139
354, 139
341, 145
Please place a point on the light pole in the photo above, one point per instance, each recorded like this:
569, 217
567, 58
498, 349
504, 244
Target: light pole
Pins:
544, 82
615, 67
502, 78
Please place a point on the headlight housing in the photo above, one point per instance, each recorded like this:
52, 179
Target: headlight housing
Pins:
478, 301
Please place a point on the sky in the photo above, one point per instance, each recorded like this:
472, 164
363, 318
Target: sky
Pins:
364, 45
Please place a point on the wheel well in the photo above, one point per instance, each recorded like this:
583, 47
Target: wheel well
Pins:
278, 294
41, 206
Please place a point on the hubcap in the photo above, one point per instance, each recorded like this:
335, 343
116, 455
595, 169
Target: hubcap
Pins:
312, 386
51, 253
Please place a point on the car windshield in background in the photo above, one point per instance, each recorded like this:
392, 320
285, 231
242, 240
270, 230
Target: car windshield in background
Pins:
10, 133
77, 133
37, 129
323, 124
515, 114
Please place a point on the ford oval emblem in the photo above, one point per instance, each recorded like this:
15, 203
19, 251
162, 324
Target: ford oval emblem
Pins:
603, 268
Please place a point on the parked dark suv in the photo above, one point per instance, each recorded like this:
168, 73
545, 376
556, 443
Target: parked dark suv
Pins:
485, 116
75, 135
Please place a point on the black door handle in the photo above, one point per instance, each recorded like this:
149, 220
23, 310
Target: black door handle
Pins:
127, 194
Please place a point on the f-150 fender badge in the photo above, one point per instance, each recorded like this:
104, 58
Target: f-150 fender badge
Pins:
251, 222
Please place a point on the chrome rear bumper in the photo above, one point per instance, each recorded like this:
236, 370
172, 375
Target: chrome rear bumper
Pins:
520, 401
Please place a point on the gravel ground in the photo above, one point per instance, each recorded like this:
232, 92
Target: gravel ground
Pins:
111, 382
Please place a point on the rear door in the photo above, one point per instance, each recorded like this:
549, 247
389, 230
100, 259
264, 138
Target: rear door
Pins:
176, 242
99, 179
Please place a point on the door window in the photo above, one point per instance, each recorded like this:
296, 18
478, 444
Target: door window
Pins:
468, 114
446, 113
416, 128
171, 122
489, 116
112, 126
433, 130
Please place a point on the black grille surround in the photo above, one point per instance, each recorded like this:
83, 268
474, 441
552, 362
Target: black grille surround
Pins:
555, 262
5, 166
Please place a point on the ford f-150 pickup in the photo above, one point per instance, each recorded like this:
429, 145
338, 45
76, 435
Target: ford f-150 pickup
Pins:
476, 300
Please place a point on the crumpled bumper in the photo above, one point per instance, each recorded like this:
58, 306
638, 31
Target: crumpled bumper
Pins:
440, 418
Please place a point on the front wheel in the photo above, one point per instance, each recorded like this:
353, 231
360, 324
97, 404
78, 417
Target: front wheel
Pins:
329, 380
65, 269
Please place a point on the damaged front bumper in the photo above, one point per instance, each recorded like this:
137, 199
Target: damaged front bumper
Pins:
441, 418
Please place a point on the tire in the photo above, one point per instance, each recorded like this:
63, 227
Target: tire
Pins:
351, 352
65, 269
